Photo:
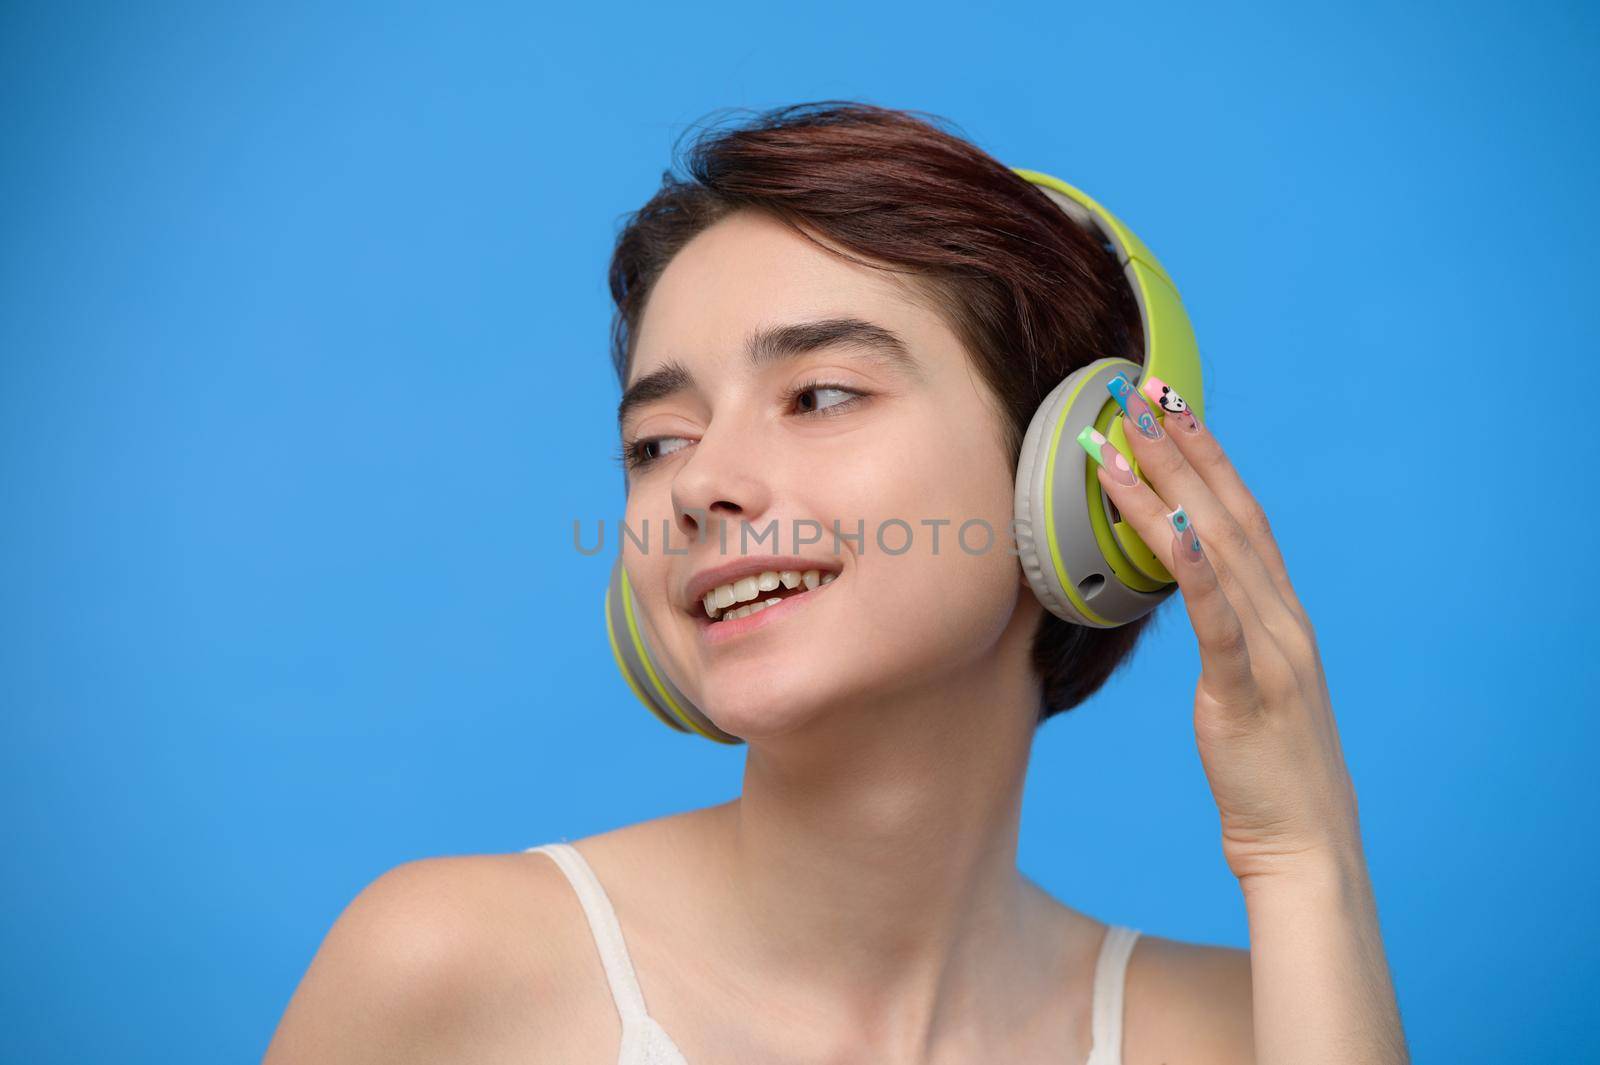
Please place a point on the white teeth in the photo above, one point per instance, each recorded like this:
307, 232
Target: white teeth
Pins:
746, 611
748, 589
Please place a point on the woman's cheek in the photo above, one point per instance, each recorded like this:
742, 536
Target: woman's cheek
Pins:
926, 608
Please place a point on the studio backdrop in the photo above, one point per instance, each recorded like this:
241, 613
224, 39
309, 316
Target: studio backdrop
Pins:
303, 388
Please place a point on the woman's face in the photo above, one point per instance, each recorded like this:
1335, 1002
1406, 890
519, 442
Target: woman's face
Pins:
810, 435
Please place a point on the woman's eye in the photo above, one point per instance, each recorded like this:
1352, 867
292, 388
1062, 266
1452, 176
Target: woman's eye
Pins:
822, 405
813, 398
636, 454
661, 446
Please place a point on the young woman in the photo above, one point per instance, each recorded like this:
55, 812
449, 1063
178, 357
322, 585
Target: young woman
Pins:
849, 316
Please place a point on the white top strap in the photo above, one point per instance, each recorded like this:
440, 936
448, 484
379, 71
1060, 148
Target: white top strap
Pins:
1110, 972
603, 924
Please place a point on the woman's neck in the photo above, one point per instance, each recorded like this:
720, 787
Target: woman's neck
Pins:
870, 862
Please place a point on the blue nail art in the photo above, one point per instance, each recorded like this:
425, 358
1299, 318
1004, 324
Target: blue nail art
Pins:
1183, 531
1134, 408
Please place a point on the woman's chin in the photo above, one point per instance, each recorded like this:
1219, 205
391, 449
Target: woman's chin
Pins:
765, 714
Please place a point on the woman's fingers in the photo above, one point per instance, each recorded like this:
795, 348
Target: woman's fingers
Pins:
1243, 574
1225, 668
1225, 665
1206, 457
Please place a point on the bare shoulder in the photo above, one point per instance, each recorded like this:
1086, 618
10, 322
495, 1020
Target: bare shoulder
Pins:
486, 957
1188, 1002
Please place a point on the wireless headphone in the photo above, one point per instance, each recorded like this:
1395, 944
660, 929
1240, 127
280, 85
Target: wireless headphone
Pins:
1089, 567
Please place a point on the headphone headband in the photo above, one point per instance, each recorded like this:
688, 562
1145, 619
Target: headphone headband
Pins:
1170, 349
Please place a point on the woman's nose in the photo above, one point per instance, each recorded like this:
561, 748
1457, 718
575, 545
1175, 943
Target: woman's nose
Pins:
725, 478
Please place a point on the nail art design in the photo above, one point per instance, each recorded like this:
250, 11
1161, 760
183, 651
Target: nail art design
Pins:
1134, 408
1100, 449
1187, 540
1172, 405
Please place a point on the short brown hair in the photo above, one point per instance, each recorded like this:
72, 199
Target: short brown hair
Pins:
1029, 293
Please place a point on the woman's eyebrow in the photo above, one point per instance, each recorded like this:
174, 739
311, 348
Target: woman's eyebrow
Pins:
778, 344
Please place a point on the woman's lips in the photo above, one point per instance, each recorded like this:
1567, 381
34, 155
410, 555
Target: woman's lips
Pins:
715, 632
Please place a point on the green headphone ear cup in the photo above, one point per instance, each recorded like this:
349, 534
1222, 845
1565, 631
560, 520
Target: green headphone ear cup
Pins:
1063, 558
649, 682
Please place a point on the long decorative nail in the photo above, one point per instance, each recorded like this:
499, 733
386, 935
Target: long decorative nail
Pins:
1134, 408
1173, 407
1186, 541
1100, 449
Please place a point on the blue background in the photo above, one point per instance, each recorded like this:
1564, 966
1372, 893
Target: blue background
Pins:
303, 319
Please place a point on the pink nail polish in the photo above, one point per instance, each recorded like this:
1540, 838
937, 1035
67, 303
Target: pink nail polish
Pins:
1173, 407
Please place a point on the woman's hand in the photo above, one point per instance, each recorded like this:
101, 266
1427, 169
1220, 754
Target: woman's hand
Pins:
1262, 715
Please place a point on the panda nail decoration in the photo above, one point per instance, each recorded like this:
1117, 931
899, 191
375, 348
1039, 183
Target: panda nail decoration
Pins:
1134, 408
1173, 407
1185, 541
1100, 449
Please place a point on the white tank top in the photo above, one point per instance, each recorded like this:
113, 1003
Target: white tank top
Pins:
645, 1042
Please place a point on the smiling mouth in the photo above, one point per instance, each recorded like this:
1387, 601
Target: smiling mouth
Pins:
756, 593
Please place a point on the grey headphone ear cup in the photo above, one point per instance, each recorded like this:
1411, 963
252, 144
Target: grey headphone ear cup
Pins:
628, 653
1033, 549
631, 648
1071, 405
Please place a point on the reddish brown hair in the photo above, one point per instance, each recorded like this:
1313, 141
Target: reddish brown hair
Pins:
1031, 296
